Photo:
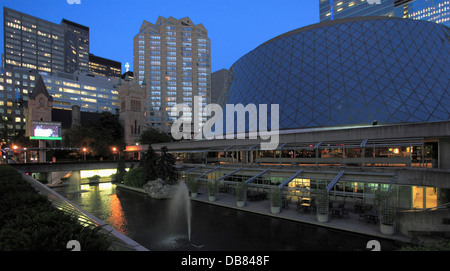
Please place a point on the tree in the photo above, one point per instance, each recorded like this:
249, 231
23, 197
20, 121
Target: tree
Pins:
135, 177
99, 137
149, 164
152, 136
120, 171
166, 167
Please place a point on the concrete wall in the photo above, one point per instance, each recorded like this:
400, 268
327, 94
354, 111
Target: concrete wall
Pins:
424, 222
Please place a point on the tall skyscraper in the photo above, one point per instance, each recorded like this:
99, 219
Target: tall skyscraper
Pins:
337, 9
174, 58
33, 43
437, 11
76, 46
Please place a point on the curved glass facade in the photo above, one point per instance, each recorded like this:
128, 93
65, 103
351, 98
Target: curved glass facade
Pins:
349, 71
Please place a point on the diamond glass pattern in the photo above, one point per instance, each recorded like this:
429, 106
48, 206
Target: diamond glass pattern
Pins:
349, 71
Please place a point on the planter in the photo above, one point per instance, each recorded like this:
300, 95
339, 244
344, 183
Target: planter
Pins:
192, 185
275, 209
241, 191
323, 218
212, 187
387, 229
275, 200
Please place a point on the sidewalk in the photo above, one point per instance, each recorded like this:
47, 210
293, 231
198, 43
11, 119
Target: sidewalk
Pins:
350, 223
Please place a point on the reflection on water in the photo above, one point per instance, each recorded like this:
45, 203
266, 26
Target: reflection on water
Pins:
117, 218
100, 200
148, 222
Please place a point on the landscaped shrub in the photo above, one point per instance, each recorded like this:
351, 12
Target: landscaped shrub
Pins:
135, 177
94, 179
28, 222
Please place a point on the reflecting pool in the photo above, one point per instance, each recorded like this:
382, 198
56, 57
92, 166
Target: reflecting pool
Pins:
214, 228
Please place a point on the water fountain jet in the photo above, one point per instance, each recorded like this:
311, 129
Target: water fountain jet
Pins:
181, 205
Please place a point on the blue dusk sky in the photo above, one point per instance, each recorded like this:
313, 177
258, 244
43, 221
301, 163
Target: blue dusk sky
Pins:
235, 27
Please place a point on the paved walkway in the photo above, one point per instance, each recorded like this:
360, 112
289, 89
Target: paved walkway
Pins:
351, 223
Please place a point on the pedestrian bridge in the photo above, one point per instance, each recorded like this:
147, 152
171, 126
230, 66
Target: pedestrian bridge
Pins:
69, 166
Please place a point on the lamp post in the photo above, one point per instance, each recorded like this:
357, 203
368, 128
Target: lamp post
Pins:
114, 152
15, 147
84, 153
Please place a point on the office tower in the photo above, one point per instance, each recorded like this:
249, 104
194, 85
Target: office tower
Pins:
437, 11
33, 43
337, 9
93, 93
76, 46
173, 56
104, 66
15, 85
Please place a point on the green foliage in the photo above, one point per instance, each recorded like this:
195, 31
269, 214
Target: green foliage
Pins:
275, 197
98, 137
28, 221
149, 164
166, 167
94, 179
118, 177
152, 136
322, 201
387, 210
241, 191
212, 187
192, 184
135, 177
154, 166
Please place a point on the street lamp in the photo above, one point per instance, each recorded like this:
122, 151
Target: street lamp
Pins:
84, 152
15, 147
114, 152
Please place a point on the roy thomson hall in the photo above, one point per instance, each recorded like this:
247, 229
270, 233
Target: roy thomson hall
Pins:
364, 109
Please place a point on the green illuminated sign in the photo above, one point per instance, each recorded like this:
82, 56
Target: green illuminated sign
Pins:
45, 138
